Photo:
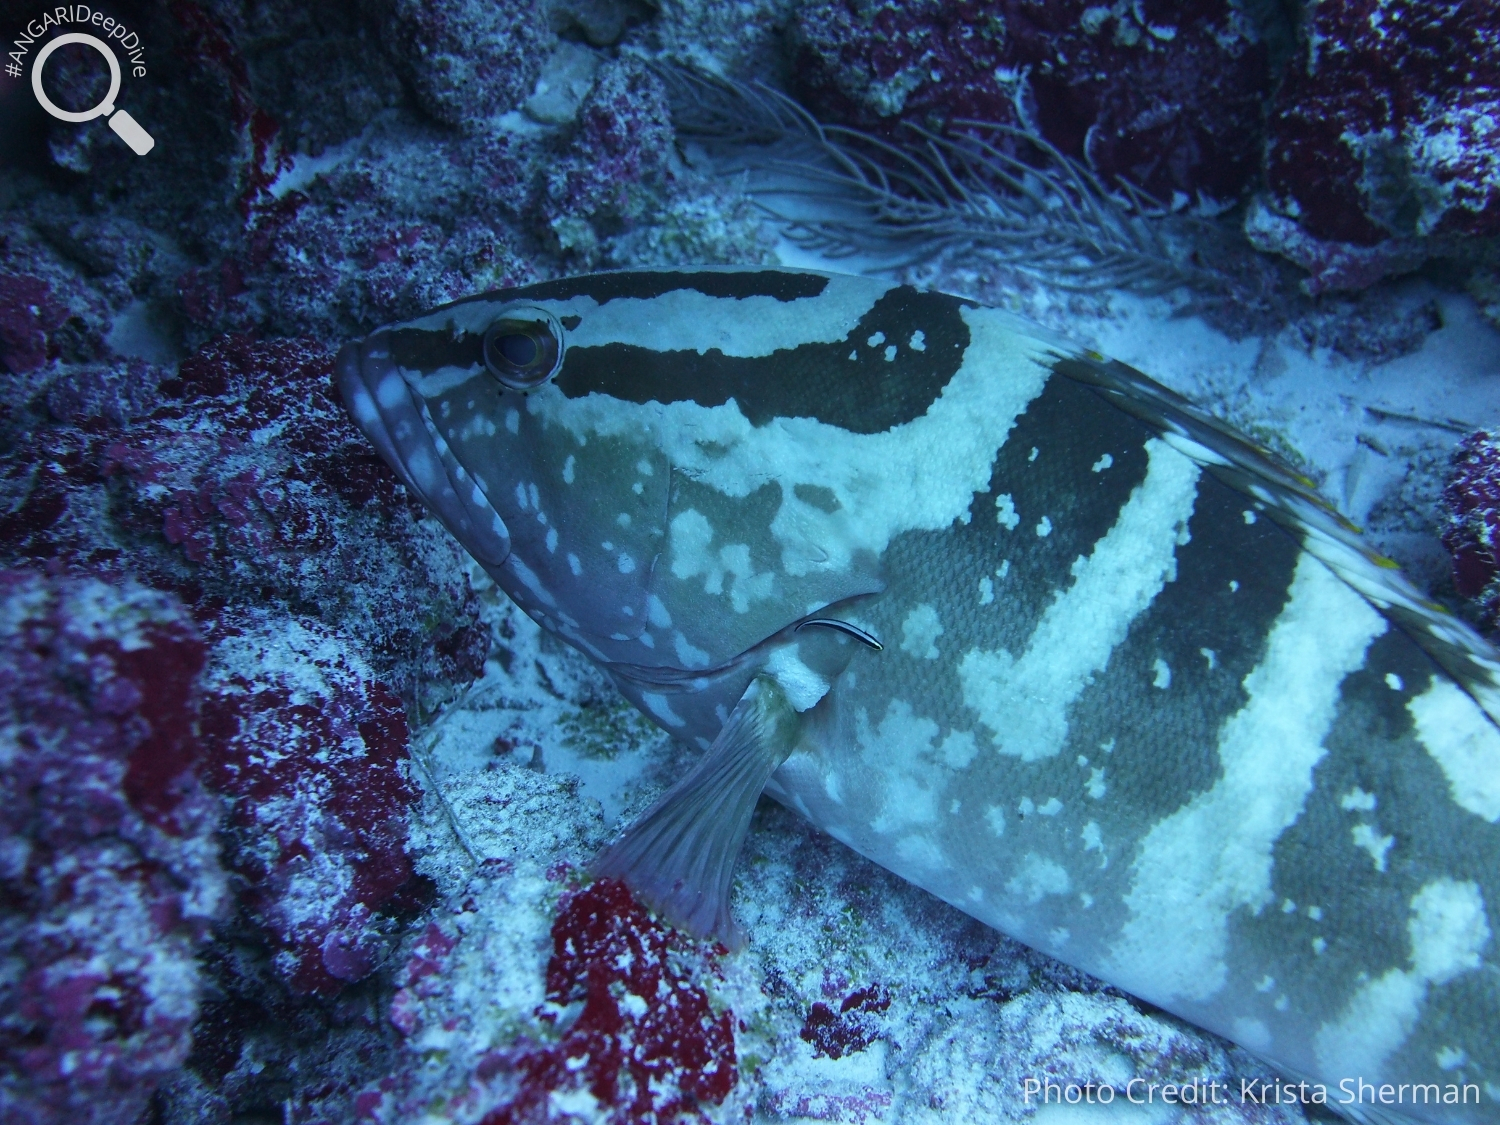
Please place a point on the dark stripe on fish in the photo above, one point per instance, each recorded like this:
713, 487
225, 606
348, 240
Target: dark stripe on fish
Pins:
780, 285
1165, 740
1071, 431
1171, 734
867, 394
1373, 747
426, 350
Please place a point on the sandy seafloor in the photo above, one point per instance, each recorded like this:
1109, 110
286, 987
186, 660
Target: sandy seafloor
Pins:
927, 1016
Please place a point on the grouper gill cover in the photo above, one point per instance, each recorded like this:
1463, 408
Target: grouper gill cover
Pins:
1004, 616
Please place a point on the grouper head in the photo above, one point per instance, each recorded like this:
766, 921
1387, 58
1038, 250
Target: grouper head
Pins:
586, 440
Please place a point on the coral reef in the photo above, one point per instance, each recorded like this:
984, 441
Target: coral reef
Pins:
1384, 123
1331, 266
1166, 96
1381, 139
195, 496
109, 873
236, 481
1472, 534
311, 752
465, 61
294, 807
615, 165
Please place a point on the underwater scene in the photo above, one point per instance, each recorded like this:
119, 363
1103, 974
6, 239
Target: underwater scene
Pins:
624, 562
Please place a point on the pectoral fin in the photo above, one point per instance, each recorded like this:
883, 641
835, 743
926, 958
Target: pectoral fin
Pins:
679, 856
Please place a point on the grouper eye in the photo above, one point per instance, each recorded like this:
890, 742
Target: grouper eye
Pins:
523, 347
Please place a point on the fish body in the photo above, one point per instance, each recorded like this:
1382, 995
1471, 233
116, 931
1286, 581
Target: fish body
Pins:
1005, 617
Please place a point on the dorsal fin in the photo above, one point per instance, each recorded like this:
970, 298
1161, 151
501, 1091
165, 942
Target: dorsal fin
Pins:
1292, 501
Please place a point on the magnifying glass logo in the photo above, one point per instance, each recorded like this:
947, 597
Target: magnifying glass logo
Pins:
127, 128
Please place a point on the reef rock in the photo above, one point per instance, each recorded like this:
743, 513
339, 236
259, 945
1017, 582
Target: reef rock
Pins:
1387, 122
109, 873
1472, 534
1167, 96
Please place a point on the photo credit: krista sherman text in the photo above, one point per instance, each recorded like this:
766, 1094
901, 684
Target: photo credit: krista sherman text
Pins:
1247, 1091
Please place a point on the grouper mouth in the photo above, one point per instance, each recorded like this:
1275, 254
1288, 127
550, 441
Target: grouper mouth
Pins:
395, 419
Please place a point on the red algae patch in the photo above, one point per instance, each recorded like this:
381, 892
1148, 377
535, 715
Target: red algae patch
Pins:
852, 1028
644, 1044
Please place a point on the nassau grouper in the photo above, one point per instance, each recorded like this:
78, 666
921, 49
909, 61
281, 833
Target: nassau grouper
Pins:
1007, 617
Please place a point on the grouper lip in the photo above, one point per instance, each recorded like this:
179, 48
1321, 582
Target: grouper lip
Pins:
395, 419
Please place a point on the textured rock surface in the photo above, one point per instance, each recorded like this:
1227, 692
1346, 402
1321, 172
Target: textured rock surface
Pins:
466, 61
311, 753
1167, 96
109, 872
1387, 122
1472, 536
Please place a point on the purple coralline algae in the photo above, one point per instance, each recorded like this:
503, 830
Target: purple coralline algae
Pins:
45, 315
109, 868
342, 255
1386, 127
197, 495
1167, 96
465, 60
1331, 266
29, 314
236, 482
311, 753
1472, 534
615, 165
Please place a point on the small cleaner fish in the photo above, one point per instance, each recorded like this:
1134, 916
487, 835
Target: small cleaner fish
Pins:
1004, 616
